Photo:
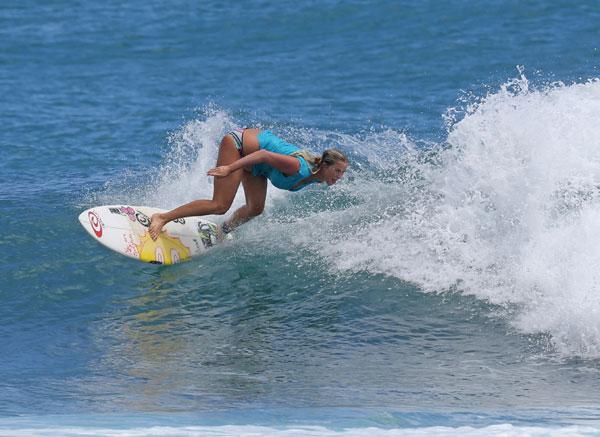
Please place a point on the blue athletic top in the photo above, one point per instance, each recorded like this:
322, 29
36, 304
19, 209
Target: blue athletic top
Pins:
268, 141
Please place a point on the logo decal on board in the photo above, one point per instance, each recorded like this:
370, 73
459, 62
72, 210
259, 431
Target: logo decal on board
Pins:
129, 212
95, 223
142, 219
165, 250
124, 210
208, 234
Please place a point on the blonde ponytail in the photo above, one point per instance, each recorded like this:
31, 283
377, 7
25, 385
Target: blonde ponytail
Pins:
329, 157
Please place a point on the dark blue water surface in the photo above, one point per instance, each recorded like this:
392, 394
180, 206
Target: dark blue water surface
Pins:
94, 96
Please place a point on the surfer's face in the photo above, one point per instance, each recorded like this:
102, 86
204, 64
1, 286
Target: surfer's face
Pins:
334, 172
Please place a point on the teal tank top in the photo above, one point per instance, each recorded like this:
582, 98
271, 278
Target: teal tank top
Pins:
269, 141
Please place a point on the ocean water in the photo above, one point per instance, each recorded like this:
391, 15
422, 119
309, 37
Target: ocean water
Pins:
449, 285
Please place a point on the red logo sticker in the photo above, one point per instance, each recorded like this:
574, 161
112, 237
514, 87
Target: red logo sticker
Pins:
95, 223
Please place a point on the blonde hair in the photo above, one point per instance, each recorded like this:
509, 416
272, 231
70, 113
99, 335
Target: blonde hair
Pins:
329, 157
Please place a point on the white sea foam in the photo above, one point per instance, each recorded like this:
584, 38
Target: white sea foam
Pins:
505, 430
508, 210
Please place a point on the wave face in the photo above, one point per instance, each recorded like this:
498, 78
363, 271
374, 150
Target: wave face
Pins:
506, 209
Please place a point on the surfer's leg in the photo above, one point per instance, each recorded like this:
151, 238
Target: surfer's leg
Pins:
223, 192
255, 189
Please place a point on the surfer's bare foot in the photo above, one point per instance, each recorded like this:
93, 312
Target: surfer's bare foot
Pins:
157, 221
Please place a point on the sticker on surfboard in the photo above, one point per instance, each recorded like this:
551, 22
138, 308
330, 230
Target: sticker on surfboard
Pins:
124, 229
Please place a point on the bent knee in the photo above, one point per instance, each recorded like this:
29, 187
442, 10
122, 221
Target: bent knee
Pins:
255, 210
221, 208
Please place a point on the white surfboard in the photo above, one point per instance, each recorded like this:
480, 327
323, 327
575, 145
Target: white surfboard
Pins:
124, 229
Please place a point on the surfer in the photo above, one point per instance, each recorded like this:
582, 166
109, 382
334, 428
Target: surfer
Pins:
250, 157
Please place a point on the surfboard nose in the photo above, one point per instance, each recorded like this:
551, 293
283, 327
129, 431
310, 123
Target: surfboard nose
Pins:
83, 218
91, 223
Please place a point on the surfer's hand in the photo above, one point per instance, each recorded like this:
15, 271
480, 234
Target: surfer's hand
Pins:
156, 224
221, 171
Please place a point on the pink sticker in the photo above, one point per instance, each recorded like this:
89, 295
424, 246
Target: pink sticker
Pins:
129, 212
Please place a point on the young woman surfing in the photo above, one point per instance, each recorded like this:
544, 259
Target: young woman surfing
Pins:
251, 156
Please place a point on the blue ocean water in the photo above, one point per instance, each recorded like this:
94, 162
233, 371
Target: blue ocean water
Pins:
447, 285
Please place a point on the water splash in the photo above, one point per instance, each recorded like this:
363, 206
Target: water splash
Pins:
508, 210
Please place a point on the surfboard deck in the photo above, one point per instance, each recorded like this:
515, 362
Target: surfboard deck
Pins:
124, 229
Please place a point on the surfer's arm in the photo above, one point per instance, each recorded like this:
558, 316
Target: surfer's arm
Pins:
284, 163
